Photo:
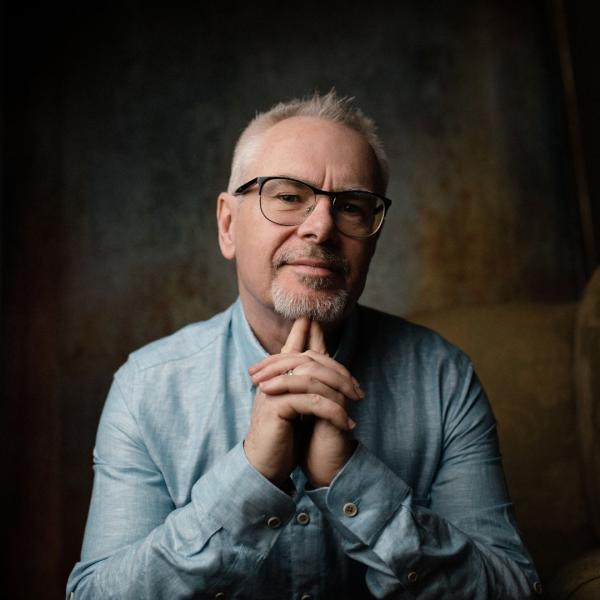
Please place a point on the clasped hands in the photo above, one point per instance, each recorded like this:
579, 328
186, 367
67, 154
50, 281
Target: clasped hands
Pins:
299, 415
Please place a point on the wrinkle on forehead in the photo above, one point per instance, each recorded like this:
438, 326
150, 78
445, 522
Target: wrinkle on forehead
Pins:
323, 183
328, 155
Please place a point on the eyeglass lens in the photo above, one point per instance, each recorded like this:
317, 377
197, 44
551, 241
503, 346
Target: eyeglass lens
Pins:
288, 202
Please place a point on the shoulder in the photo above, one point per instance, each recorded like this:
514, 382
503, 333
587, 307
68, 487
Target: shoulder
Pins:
186, 343
391, 333
438, 374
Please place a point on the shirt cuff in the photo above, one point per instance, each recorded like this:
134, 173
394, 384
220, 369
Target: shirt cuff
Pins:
362, 497
242, 501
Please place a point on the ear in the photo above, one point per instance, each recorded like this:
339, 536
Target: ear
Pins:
226, 219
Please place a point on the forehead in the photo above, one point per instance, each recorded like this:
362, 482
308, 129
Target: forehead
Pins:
318, 151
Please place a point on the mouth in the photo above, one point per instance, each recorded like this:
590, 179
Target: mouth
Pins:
315, 268
313, 262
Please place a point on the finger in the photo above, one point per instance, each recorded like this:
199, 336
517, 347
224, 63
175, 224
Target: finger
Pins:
327, 361
301, 384
278, 364
296, 340
291, 406
331, 373
310, 354
315, 371
316, 338
344, 383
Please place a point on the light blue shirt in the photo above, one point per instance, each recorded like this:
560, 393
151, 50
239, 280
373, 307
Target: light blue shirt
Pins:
420, 510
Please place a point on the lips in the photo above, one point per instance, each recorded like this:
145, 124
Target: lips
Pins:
312, 261
314, 269
317, 267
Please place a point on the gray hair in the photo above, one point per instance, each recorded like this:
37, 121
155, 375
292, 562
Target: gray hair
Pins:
330, 107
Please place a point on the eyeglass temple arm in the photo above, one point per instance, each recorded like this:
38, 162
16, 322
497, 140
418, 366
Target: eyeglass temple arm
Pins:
245, 186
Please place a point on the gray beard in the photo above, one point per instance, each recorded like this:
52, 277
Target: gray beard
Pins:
325, 309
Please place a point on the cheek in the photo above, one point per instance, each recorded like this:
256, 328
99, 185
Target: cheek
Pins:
249, 236
257, 246
360, 258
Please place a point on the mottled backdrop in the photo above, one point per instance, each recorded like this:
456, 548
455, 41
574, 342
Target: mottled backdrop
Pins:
119, 122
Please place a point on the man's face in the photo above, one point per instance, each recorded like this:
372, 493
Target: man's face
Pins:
309, 269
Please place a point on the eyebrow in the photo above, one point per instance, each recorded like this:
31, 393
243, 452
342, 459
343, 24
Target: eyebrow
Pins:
356, 187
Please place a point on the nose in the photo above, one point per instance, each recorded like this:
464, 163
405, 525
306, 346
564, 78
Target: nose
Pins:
319, 226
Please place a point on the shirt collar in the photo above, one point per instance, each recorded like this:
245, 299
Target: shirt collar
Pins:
251, 351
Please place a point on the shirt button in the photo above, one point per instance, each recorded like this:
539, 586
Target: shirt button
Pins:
273, 522
412, 577
537, 588
350, 509
303, 518
306, 597
219, 596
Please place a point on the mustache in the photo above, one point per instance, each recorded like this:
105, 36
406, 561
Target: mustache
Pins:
334, 262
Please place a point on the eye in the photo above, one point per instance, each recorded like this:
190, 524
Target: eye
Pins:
289, 198
352, 209
348, 207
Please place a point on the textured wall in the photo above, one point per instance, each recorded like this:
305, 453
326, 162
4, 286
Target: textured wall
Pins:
467, 101
121, 122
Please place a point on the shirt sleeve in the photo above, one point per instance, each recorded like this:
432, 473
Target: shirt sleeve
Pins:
465, 544
137, 544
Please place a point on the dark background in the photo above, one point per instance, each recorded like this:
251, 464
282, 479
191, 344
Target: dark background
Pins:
118, 122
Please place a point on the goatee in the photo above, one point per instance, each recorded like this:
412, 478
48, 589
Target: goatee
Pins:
327, 307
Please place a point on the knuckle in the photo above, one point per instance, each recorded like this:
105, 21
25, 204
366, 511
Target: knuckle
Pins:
339, 412
349, 391
264, 398
264, 406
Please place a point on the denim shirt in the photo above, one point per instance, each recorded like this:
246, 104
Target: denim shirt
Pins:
420, 510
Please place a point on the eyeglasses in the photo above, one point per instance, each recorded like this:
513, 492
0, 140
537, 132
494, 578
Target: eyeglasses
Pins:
287, 201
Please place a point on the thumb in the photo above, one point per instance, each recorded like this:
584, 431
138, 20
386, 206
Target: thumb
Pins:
316, 338
296, 340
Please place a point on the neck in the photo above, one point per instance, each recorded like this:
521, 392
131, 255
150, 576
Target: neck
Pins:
272, 330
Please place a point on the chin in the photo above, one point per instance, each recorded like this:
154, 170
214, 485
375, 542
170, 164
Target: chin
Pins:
317, 303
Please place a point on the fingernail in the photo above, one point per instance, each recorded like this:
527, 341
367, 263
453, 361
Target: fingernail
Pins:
351, 423
359, 391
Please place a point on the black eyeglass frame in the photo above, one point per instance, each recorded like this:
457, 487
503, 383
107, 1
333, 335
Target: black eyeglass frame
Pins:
333, 195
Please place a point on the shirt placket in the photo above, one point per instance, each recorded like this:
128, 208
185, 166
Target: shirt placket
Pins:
306, 551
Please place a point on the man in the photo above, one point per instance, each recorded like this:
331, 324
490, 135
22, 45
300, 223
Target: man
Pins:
298, 445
